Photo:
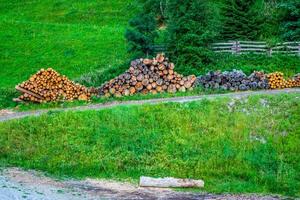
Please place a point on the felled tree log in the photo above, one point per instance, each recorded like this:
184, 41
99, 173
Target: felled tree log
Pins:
28, 92
170, 182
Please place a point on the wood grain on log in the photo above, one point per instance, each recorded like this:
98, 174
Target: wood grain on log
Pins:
170, 182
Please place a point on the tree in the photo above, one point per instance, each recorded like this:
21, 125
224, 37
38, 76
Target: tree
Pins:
290, 20
241, 20
144, 26
269, 12
191, 27
141, 35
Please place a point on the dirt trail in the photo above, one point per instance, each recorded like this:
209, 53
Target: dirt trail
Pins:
16, 184
9, 114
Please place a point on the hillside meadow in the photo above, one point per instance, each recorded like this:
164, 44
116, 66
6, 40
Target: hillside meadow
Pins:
74, 37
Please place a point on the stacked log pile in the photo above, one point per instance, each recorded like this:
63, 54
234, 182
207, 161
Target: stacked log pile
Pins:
48, 85
233, 80
277, 81
296, 78
148, 76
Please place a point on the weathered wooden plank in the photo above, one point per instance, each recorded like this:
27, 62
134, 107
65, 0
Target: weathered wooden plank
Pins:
284, 43
252, 52
222, 47
253, 45
246, 49
17, 100
219, 51
251, 42
224, 43
285, 51
28, 92
288, 47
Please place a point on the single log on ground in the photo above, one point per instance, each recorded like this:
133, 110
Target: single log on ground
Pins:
170, 182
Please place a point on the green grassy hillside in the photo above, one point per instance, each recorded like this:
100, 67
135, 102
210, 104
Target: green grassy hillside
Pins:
247, 145
74, 37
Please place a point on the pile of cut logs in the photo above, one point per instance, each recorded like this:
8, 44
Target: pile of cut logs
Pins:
276, 80
233, 80
48, 85
148, 76
296, 78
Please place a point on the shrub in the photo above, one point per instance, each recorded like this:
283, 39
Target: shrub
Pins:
191, 27
6, 96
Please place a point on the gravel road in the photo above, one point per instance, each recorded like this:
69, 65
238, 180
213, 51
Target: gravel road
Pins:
16, 184
6, 115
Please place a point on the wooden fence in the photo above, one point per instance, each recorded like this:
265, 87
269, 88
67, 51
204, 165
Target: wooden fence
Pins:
241, 47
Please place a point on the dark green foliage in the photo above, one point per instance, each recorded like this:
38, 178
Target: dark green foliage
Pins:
241, 20
191, 27
290, 22
143, 28
6, 96
141, 35
143, 32
159, 8
268, 11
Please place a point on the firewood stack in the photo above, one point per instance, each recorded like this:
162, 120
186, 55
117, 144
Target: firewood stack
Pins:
277, 80
48, 85
233, 80
296, 79
148, 76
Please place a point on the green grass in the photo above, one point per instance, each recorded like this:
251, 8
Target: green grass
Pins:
73, 37
289, 65
252, 146
7, 103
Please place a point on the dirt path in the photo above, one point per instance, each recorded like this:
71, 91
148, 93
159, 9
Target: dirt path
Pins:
9, 114
16, 184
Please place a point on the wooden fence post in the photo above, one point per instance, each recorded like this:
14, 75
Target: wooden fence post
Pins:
238, 47
270, 51
233, 48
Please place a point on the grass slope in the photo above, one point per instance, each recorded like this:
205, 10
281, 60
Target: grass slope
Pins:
74, 37
246, 145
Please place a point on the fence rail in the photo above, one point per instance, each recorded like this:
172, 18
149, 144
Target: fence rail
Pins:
242, 47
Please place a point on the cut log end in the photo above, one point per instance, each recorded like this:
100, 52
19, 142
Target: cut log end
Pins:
148, 76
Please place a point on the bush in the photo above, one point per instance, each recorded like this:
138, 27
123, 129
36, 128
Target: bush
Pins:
241, 20
192, 26
290, 20
6, 96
